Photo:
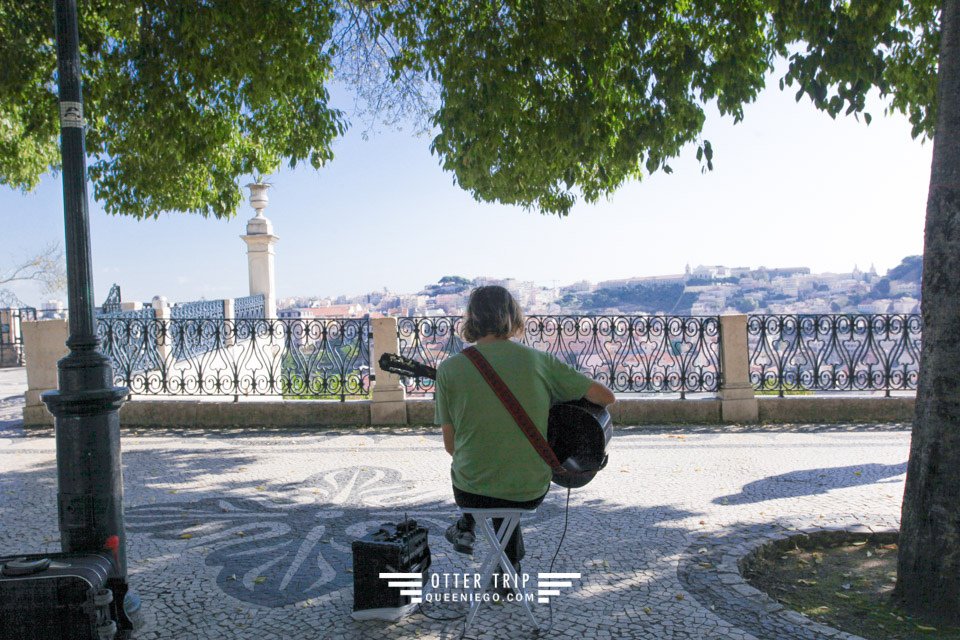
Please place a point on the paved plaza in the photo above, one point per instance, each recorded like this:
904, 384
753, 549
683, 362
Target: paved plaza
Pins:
246, 533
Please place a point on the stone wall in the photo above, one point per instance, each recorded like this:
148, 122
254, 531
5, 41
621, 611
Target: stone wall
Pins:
210, 413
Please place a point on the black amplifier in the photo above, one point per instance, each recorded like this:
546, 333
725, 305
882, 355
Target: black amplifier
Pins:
394, 548
60, 596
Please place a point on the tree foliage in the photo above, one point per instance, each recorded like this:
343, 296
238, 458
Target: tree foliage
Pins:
181, 98
543, 101
532, 102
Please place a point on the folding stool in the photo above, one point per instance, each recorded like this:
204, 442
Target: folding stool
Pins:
496, 555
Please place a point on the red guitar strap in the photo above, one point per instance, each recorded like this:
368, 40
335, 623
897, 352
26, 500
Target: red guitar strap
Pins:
515, 409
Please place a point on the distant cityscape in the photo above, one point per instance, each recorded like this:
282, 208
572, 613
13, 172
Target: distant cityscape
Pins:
701, 290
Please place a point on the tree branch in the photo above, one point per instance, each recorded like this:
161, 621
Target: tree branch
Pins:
45, 267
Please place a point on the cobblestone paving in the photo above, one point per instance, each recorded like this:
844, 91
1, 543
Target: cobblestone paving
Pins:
240, 534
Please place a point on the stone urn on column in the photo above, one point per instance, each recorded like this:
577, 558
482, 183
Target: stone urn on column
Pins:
260, 241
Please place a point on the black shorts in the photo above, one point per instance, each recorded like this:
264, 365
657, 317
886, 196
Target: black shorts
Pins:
475, 501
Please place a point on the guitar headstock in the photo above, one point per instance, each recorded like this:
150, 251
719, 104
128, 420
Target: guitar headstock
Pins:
407, 367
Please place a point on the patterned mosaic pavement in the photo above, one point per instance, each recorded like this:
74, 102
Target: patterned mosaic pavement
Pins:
246, 534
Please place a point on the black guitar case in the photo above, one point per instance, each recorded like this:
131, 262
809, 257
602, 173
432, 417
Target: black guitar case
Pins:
61, 596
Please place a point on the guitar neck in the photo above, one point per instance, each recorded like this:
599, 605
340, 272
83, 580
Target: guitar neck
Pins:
406, 367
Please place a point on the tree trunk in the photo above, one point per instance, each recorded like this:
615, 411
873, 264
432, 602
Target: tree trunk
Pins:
928, 571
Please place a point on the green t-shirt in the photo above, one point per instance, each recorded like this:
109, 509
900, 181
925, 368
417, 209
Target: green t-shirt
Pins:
491, 455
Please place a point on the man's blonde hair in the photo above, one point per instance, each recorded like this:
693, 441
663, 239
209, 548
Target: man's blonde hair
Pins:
492, 310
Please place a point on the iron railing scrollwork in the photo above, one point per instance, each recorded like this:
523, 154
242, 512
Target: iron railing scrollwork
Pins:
430, 340
12, 353
330, 358
249, 307
635, 354
292, 358
122, 339
144, 313
326, 357
131, 342
198, 327
112, 304
629, 354
212, 309
834, 352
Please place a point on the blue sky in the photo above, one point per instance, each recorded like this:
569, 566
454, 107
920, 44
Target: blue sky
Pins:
791, 187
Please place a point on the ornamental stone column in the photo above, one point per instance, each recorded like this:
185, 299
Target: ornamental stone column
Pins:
260, 241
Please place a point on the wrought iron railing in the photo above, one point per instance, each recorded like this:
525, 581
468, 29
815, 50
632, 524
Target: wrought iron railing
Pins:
293, 358
131, 343
11, 335
629, 354
249, 307
120, 337
330, 358
842, 352
430, 340
199, 327
144, 313
197, 309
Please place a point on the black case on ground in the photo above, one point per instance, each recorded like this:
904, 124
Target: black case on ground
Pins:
400, 548
60, 601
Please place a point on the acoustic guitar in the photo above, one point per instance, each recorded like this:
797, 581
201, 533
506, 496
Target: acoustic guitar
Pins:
577, 431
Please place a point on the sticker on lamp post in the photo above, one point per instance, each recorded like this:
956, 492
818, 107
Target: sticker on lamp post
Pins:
71, 114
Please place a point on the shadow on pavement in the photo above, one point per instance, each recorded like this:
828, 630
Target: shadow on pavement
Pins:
809, 482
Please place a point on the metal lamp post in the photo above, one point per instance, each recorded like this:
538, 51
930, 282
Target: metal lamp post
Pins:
86, 404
